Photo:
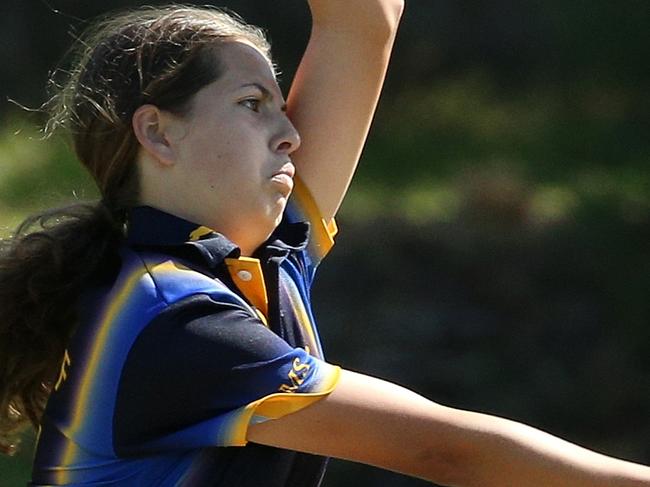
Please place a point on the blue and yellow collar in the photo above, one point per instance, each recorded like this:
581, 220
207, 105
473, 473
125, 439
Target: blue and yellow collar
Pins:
148, 226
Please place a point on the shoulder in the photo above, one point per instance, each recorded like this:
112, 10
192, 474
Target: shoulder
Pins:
168, 279
147, 285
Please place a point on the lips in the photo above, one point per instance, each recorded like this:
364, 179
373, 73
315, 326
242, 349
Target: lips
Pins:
284, 177
288, 169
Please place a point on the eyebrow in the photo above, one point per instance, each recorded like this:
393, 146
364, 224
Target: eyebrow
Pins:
264, 91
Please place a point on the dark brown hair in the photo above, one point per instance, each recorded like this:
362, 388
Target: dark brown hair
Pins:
161, 56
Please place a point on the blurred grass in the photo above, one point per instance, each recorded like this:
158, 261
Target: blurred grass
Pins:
36, 173
14, 471
463, 149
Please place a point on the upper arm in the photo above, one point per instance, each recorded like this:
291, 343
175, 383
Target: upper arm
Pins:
241, 366
370, 421
332, 102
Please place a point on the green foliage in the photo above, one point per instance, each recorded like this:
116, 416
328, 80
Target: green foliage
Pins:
551, 149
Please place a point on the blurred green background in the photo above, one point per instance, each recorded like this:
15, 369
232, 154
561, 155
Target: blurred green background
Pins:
494, 251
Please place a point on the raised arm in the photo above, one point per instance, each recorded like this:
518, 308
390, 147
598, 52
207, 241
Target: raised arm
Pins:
371, 421
335, 91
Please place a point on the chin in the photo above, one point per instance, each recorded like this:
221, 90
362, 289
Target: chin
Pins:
277, 221
277, 210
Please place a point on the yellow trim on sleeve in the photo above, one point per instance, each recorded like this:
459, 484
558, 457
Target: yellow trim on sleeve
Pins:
332, 227
280, 404
323, 231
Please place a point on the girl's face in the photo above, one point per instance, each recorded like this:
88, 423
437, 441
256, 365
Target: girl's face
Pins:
232, 166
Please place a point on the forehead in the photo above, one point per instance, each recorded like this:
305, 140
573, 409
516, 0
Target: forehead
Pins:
244, 63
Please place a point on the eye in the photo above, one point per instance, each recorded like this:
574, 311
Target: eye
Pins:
254, 101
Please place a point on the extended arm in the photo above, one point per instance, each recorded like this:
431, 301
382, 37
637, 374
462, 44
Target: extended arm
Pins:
371, 421
335, 91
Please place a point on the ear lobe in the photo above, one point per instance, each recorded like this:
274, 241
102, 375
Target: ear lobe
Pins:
149, 128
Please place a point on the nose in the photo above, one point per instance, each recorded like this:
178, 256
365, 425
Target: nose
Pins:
288, 139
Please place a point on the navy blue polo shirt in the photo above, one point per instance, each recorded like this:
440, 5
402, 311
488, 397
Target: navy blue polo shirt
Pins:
187, 346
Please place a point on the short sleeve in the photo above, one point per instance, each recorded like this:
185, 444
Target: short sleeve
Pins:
202, 371
303, 208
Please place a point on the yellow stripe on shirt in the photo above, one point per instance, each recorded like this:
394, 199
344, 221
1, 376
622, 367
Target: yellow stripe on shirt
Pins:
323, 231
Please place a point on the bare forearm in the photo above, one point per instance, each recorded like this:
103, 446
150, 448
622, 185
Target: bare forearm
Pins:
460, 448
369, 16
502, 453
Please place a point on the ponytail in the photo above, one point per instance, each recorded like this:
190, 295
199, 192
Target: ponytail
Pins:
44, 266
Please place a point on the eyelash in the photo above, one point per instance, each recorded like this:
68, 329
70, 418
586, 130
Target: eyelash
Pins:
256, 100
260, 101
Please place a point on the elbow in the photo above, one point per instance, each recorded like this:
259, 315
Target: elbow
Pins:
395, 11
443, 466
445, 449
387, 22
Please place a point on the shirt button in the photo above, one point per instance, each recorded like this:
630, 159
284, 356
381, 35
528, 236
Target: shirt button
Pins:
245, 275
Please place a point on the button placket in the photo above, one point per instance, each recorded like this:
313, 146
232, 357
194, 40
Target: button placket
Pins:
246, 273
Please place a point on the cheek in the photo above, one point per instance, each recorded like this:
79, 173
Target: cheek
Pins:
208, 153
223, 157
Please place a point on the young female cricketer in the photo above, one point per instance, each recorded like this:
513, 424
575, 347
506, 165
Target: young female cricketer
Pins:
164, 335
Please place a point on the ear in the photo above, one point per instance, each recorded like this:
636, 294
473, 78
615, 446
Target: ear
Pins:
150, 128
